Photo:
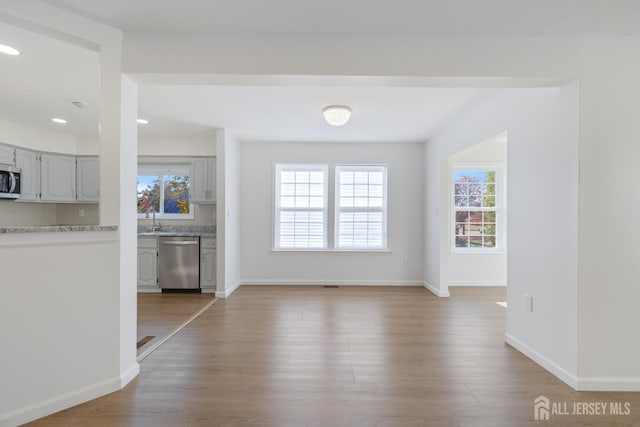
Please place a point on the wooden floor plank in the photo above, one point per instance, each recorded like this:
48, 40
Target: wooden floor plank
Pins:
348, 356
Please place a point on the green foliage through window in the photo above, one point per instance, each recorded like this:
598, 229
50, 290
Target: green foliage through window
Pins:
174, 198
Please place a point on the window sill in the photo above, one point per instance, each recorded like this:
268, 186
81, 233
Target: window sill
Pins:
479, 252
378, 251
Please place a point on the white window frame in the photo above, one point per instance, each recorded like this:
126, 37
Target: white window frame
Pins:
500, 208
161, 171
297, 167
382, 209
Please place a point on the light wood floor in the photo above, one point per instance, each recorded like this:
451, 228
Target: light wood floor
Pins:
352, 356
160, 314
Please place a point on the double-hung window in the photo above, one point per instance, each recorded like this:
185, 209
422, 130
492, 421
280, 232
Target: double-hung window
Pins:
301, 206
165, 191
361, 207
477, 213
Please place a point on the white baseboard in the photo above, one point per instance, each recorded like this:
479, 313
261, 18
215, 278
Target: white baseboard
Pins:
437, 292
51, 406
332, 282
228, 292
608, 384
129, 375
149, 291
543, 361
477, 283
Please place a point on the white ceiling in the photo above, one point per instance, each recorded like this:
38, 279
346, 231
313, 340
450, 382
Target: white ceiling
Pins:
399, 17
49, 74
294, 113
44, 79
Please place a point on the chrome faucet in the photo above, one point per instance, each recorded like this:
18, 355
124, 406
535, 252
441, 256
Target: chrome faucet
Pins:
154, 226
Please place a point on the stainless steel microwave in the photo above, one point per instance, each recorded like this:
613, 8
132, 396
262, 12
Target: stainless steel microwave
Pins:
9, 182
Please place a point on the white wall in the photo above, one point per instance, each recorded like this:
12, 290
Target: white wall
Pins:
542, 127
32, 138
232, 212
609, 268
405, 195
94, 347
186, 145
228, 214
477, 269
57, 317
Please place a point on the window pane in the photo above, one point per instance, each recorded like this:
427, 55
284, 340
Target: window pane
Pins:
489, 189
176, 195
287, 177
148, 194
302, 177
375, 178
462, 216
462, 201
302, 208
490, 216
346, 178
475, 217
316, 177
375, 191
490, 230
461, 189
475, 241
462, 242
287, 189
362, 189
475, 201
489, 201
476, 190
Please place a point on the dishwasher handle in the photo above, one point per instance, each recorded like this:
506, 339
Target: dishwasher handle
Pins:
181, 242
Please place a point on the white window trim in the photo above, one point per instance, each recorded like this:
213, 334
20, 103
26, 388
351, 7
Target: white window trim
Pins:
336, 185
281, 167
501, 216
164, 170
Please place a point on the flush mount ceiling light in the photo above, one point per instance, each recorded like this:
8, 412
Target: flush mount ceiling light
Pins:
59, 120
8, 50
143, 121
337, 115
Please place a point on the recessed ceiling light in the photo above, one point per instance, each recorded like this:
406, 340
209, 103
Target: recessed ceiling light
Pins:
59, 120
8, 50
337, 115
143, 121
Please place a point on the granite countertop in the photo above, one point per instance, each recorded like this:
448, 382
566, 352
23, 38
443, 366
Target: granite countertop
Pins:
58, 228
179, 230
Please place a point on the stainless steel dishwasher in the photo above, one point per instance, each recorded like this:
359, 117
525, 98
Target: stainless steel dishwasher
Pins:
179, 262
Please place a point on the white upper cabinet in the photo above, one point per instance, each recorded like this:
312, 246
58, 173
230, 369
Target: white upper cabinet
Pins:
88, 174
58, 178
7, 155
29, 162
203, 180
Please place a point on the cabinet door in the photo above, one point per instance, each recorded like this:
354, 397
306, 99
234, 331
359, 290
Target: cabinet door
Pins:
198, 180
58, 178
147, 268
210, 193
29, 162
88, 179
7, 155
207, 268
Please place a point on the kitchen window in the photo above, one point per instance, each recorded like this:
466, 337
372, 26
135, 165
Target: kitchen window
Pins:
301, 207
477, 209
165, 191
361, 207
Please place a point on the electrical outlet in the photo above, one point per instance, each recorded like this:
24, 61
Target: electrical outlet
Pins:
406, 260
528, 303
81, 212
